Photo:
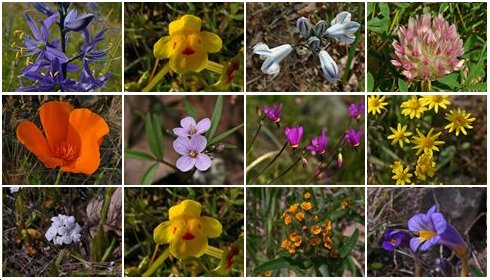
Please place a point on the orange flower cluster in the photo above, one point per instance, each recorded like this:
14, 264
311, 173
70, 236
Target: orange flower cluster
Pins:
305, 231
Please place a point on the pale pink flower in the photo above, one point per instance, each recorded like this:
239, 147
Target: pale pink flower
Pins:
428, 48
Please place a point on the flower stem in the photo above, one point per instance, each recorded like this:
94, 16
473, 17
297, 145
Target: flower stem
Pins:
285, 171
426, 85
155, 251
418, 268
58, 177
214, 252
154, 70
272, 161
158, 77
168, 164
157, 263
215, 67
261, 123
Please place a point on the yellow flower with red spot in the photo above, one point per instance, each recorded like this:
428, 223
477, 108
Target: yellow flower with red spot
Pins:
187, 47
316, 229
187, 231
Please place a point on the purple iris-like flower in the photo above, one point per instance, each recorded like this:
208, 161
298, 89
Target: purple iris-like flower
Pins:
356, 110
189, 127
394, 238
274, 113
294, 135
42, 8
191, 151
51, 81
74, 23
353, 137
429, 227
318, 144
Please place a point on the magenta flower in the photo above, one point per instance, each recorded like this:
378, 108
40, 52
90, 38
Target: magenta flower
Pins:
356, 110
191, 151
428, 51
393, 238
294, 135
274, 113
190, 128
318, 144
353, 137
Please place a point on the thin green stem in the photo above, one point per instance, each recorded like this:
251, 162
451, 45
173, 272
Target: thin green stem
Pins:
168, 164
271, 162
285, 171
261, 123
58, 177
214, 67
157, 263
158, 77
214, 252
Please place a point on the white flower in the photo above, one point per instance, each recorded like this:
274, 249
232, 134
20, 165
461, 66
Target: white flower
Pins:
272, 57
64, 230
329, 67
14, 189
343, 28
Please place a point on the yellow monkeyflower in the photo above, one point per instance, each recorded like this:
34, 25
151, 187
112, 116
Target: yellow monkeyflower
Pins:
400, 135
187, 231
187, 47
402, 176
306, 206
376, 104
435, 101
427, 144
316, 229
307, 195
459, 121
425, 167
300, 216
413, 108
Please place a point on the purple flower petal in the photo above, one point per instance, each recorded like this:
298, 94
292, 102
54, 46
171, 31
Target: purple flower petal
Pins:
451, 237
388, 246
185, 163
439, 222
432, 210
182, 146
416, 223
429, 243
179, 131
33, 27
203, 126
188, 123
198, 143
203, 162
415, 243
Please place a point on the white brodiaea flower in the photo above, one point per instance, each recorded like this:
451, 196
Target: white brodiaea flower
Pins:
272, 57
342, 28
63, 230
329, 67
14, 189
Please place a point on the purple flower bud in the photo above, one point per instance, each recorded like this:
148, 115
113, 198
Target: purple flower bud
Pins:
392, 239
305, 162
353, 137
340, 160
314, 43
294, 135
356, 110
320, 28
318, 144
274, 113
74, 23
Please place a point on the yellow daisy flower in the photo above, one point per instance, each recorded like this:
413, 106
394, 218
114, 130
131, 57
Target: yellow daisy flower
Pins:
396, 166
402, 176
400, 135
435, 101
427, 144
425, 167
413, 108
376, 104
459, 121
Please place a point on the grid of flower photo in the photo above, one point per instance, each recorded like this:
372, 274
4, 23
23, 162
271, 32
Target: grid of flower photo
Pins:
244, 139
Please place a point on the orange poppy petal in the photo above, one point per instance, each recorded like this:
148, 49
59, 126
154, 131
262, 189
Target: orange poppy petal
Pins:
31, 137
54, 118
90, 128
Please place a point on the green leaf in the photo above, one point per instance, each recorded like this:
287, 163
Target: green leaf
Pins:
450, 80
157, 128
275, 264
224, 134
138, 155
370, 82
477, 70
189, 109
470, 42
147, 178
153, 134
402, 85
218, 109
349, 245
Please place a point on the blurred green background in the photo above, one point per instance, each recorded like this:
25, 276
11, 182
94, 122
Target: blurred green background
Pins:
313, 113
107, 15
146, 23
266, 228
146, 208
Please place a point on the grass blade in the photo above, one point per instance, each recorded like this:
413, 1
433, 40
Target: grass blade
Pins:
189, 109
225, 134
138, 155
147, 178
218, 109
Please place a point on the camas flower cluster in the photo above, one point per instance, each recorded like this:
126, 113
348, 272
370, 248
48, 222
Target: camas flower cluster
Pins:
425, 144
49, 66
341, 29
64, 230
306, 233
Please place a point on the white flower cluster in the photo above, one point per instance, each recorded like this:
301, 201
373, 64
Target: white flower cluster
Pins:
14, 189
64, 229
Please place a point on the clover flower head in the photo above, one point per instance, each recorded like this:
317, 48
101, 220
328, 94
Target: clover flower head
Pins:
186, 231
189, 127
376, 103
64, 230
191, 151
272, 57
318, 144
435, 101
459, 121
400, 135
71, 138
274, 113
356, 110
428, 48
186, 46
393, 239
353, 137
294, 135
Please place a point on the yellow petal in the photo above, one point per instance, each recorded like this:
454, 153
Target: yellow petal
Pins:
187, 23
187, 208
188, 245
184, 62
162, 49
211, 42
163, 233
211, 227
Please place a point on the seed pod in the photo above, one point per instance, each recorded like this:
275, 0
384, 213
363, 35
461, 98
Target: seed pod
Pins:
314, 43
304, 27
320, 28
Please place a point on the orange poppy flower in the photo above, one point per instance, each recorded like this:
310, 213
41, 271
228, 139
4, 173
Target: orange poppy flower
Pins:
71, 138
